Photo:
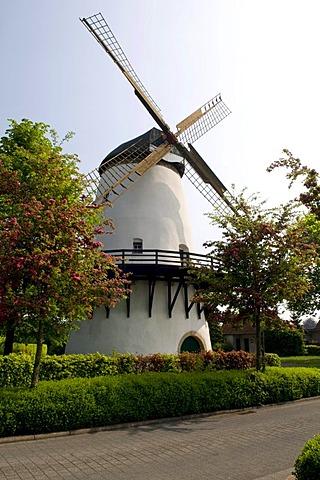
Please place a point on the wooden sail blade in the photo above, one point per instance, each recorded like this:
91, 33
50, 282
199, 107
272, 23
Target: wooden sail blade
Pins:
101, 31
202, 120
120, 171
123, 171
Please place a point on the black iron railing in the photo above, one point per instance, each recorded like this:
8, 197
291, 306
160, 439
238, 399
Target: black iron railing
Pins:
162, 257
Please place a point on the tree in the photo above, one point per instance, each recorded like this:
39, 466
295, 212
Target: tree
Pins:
287, 341
310, 179
52, 270
262, 261
310, 199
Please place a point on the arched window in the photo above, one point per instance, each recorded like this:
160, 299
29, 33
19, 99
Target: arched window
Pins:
137, 245
183, 248
184, 254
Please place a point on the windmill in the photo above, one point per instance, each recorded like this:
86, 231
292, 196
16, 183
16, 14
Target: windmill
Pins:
142, 179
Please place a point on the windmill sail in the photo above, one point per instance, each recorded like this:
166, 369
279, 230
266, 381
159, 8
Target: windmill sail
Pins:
207, 182
101, 31
125, 168
202, 120
125, 165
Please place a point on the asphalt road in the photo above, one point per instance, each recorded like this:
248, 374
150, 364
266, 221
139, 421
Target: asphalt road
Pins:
258, 444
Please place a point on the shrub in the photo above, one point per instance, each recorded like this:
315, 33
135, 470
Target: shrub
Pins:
85, 403
15, 370
227, 347
126, 362
57, 367
272, 360
240, 360
285, 343
190, 362
209, 360
156, 362
299, 383
29, 349
307, 465
313, 350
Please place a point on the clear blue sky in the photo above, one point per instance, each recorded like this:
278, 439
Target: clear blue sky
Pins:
261, 55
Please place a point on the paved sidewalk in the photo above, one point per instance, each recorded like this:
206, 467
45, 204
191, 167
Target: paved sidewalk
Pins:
259, 444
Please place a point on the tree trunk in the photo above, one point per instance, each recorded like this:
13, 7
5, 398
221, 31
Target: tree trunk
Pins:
258, 342
8, 344
37, 360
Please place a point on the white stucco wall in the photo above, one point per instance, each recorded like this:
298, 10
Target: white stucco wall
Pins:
139, 333
153, 209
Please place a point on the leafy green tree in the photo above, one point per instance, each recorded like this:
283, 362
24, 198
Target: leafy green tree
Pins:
309, 198
310, 180
286, 342
55, 338
215, 330
262, 261
52, 269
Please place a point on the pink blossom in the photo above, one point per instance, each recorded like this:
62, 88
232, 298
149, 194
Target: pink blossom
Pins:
97, 244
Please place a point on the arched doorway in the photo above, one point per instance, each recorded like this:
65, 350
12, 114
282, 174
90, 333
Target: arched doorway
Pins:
191, 344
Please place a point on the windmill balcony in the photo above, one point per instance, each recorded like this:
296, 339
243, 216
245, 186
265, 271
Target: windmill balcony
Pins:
159, 263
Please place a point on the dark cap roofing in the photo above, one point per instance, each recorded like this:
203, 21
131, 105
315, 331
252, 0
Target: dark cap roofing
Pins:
151, 137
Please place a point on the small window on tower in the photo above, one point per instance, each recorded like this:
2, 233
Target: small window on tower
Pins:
184, 254
137, 245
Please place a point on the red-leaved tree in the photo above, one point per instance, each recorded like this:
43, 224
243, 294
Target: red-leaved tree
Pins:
310, 199
262, 261
53, 272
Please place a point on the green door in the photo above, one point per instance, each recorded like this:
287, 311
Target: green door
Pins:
190, 344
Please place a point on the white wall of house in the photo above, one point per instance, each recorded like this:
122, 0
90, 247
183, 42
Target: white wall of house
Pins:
242, 341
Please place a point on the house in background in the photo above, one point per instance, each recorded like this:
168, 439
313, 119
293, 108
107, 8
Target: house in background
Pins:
313, 334
240, 338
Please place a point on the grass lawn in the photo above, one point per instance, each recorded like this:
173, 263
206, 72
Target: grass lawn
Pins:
305, 361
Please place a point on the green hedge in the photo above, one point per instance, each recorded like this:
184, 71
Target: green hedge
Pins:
86, 403
313, 350
15, 369
285, 343
307, 465
29, 348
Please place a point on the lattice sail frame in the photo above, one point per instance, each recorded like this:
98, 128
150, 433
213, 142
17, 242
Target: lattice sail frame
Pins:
114, 178
208, 192
202, 120
101, 31
124, 171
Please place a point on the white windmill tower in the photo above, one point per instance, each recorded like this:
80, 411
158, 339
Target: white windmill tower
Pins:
153, 238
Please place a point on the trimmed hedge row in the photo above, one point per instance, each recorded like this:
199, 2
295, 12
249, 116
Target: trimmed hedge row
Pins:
101, 401
307, 465
313, 350
16, 370
29, 348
